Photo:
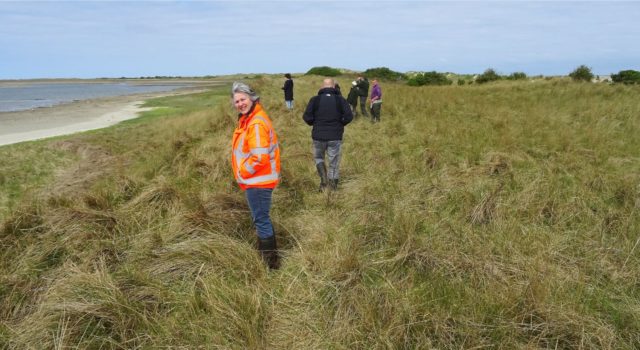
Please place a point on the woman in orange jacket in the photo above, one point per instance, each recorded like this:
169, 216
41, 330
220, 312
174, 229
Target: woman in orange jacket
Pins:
255, 160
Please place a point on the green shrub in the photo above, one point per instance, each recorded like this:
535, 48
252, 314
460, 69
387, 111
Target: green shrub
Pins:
487, 76
324, 71
582, 73
461, 82
626, 77
517, 76
429, 78
384, 73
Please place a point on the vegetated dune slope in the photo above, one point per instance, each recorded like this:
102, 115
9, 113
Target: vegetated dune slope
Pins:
503, 216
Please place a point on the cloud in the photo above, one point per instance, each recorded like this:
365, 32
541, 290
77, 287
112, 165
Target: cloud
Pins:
219, 37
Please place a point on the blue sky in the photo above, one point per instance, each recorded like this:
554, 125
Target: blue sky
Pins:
193, 38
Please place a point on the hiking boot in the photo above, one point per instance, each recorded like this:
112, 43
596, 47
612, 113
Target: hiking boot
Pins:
269, 252
333, 184
322, 172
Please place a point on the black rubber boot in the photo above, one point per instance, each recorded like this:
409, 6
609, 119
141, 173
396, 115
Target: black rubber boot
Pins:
322, 172
333, 184
269, 252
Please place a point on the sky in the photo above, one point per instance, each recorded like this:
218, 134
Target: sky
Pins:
93, 39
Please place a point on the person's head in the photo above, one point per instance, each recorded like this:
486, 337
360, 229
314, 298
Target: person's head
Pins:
243, 97
288, 76
328, 83
375, 81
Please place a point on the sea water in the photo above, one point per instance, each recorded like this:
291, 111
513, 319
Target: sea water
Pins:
36, 95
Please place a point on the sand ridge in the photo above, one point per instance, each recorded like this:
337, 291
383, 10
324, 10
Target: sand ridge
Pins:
75, 116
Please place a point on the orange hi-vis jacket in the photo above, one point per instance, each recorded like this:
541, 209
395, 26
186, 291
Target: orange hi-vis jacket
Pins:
256, 156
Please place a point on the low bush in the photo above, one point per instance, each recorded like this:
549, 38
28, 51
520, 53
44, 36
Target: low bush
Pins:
429, 78
626, 77
384, 73
517, 76
487, 76
324, 71
582, 73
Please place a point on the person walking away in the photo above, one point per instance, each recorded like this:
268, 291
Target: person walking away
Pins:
288, 91
255, 160
363, 89
328, 113
376, 101
352, 98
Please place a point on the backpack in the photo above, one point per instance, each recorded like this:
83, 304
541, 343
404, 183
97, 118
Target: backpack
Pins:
339, 107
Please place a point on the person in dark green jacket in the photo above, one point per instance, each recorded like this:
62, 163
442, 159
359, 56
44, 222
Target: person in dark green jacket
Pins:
363, 89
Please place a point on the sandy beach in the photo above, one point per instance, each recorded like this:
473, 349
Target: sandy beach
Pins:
75, 116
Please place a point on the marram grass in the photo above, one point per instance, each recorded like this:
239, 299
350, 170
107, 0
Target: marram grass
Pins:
500, 216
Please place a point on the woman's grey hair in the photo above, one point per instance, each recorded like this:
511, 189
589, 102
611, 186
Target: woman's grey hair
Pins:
244, 88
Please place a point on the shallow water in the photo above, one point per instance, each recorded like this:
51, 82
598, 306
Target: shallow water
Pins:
36, 95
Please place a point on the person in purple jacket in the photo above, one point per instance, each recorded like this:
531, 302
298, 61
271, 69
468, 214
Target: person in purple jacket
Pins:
376, 101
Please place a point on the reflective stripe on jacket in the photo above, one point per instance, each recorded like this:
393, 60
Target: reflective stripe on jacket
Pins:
255, 156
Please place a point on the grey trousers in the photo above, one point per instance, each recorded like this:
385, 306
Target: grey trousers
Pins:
332, 149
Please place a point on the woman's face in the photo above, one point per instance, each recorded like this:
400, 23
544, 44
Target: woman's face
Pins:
242, 102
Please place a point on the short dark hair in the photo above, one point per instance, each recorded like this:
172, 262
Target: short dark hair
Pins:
287, 75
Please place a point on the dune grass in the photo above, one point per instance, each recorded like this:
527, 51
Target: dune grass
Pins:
25, 167
498, 216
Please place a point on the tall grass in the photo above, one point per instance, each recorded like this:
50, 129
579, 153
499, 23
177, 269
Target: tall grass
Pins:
495, 216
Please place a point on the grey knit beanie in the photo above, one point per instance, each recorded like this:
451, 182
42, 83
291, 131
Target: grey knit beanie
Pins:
244, 88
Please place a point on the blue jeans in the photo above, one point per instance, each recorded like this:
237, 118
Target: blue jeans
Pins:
259, 200
289, 104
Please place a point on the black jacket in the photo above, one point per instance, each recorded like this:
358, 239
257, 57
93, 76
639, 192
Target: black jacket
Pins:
363, 87
328, 113
352, 98
288, 90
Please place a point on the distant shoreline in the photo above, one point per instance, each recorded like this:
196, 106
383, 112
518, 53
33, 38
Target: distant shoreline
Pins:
133, 81
27, 95
79, 116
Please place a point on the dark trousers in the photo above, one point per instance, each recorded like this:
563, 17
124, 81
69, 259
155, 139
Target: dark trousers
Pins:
363, 105
375, 111
354, 109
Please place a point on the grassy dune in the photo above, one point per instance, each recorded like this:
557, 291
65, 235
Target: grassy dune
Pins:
499, 216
